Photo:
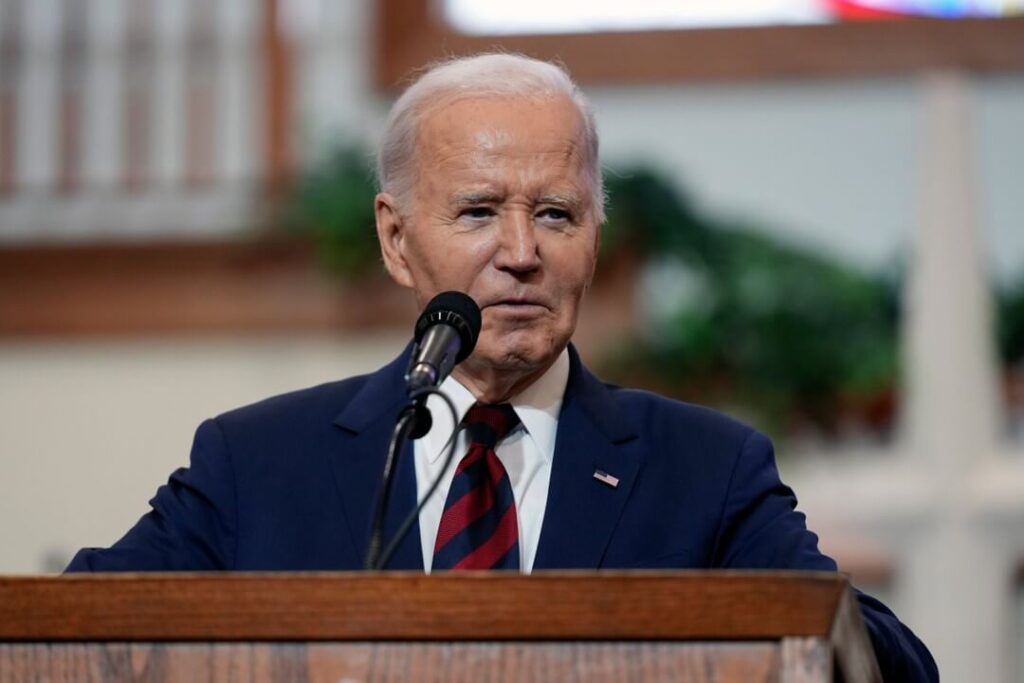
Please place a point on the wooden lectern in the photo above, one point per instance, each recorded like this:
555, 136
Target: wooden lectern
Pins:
560, 626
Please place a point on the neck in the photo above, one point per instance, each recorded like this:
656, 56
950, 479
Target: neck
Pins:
497, 385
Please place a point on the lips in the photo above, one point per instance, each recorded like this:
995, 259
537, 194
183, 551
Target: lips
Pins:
519, 303
526, 308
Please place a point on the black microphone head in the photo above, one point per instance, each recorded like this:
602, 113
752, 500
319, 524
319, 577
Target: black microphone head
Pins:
455, 309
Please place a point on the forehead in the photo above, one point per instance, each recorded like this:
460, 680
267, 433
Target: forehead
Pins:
491, 133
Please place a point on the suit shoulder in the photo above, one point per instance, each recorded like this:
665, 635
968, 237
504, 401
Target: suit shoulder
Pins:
314, 404
666, 416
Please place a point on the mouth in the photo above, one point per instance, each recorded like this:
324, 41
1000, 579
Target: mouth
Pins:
519, 307
519, 301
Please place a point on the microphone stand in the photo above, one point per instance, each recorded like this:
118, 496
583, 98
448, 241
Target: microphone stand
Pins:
445, 334
413, 422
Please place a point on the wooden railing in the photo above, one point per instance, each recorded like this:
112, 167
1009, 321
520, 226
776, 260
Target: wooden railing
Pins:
138, 97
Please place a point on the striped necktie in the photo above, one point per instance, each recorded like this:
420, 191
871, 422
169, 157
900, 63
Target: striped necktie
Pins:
479, 528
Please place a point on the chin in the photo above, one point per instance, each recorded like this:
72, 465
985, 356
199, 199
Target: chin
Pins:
511, 359
517, 353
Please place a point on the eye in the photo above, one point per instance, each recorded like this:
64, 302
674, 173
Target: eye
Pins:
554, 215
477, 213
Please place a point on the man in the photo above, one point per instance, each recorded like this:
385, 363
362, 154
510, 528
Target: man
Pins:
491, 186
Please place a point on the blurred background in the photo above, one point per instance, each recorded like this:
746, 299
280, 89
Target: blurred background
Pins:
816, 224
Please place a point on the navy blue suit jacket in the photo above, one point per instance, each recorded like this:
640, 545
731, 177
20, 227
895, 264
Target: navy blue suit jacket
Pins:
289, 484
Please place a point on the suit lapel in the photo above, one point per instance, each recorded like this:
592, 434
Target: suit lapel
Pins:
582, 511
367, 421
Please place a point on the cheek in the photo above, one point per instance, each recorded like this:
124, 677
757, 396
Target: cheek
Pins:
575, 275
421, 264
449, 261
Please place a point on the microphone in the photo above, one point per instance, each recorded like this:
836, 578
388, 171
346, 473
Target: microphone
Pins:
446, 333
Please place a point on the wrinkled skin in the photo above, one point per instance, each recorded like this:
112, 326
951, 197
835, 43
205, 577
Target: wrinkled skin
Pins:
501, 210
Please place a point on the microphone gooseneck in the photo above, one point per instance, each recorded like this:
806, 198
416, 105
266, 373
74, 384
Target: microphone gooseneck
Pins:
445, 335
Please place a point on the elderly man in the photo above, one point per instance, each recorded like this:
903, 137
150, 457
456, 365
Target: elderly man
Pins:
490, 185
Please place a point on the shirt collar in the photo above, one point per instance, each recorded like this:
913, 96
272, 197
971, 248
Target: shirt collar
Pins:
537, 406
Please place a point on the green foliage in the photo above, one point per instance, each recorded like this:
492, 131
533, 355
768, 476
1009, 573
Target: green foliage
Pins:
334, 204
648, 215
1010, 323
780, 334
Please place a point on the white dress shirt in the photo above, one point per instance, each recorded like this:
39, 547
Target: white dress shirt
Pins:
526, 453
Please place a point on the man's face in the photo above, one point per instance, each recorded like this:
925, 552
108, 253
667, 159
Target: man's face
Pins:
501, 210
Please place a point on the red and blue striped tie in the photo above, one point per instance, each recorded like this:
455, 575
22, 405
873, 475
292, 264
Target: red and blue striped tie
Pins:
479, 528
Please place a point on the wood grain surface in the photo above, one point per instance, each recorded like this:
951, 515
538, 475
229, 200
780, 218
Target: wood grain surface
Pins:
402, 626
410, 606
352, 662
805, 660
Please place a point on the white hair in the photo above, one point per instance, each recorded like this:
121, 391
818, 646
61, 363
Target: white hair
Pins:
484, 75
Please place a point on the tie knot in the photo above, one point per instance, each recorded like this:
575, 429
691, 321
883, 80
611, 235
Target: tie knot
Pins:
488, 424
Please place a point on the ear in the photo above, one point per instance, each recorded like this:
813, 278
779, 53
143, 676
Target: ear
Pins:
391, 232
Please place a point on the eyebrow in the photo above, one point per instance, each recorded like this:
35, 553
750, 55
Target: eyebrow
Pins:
569, 200
471, 198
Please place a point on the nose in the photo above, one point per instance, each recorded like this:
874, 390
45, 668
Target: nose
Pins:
518, 250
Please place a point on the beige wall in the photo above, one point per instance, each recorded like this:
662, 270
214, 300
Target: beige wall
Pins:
91, 429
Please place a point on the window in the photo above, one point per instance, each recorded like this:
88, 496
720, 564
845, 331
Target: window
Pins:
414, 32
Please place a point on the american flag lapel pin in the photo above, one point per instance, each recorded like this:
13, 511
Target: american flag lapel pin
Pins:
606, 478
